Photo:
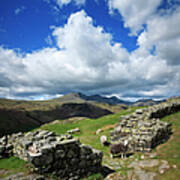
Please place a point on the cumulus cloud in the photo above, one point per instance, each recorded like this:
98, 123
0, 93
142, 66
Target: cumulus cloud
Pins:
49, 40
163, 33
87, 60
135, 13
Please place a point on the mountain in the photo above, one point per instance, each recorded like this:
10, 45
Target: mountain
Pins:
19, 115
79, 97
147, 102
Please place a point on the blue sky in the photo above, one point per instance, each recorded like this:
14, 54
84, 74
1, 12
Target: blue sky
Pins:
26, 24
111, 47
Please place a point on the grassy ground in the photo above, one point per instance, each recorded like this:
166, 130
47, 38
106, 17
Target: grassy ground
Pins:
169, 151
13, 165
88, 128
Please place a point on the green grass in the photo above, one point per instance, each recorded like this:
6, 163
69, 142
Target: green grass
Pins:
95, 177
170, 150
88, 127
13, 165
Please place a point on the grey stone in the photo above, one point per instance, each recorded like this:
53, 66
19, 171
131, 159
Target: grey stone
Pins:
64, 156
60, 154
2, 149
14, 176
148, 163
145, 127
73, 131
143, 175
164, 166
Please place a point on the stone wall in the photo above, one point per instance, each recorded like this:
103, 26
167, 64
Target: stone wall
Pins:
60, 155
143, 129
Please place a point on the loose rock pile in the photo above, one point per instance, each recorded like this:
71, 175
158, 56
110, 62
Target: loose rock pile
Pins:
50, 153
143, 129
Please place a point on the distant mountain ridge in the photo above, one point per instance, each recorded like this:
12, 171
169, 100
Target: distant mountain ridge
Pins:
111, 100
79, 97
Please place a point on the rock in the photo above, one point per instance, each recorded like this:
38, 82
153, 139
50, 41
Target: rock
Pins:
115, 176
139, 111
164, 167
35, 158
22, 176
134, 165
59, 154
73, 131
153, 155
2, 149
55, 154
129, 175
144, 127
3, 140
47, 148
143, 175
148, 163
14, 176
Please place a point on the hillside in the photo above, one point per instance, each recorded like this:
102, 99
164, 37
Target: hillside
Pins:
161, 164
16, 115
25, 115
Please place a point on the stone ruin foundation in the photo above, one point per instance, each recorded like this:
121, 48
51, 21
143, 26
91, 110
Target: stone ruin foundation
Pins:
143, 129
60, 155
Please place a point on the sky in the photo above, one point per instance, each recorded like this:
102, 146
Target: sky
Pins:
126, 48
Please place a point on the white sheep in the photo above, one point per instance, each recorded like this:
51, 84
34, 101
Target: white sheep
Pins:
104, 140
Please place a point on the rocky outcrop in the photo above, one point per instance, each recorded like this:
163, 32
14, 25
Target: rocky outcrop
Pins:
60, 155
143, 129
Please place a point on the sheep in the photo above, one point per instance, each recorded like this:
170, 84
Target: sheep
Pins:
104, 140
120, 148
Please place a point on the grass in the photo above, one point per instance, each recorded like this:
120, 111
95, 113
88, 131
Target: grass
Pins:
13, 165
88, 127
95, 177
170, 150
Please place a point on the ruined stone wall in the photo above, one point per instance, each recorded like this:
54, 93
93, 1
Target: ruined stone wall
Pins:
50, 153
143, 129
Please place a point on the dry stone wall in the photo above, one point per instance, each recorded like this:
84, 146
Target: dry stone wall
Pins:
60, 155
143, 129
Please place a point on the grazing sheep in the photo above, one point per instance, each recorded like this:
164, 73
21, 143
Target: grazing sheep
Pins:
120, 148
104, 140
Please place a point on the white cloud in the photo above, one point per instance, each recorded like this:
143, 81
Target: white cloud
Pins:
88, 61
19, 10
135, 13
61, 3
163, 33
49, 40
